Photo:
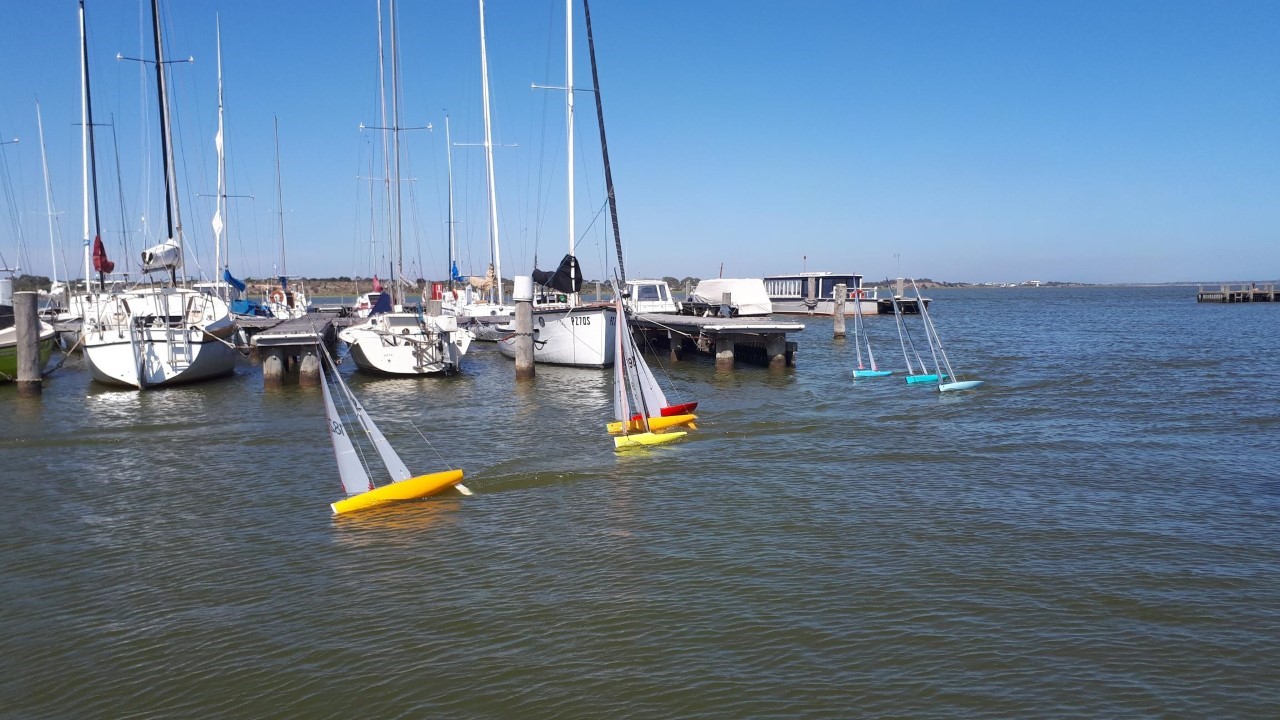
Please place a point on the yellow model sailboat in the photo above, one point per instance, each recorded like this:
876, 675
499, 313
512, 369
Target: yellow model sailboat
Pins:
361, 492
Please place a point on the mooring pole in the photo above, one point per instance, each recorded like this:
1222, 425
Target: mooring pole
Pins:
838, 312
522, 294
27, 326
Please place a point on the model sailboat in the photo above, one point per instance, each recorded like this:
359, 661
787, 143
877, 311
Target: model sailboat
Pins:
940, 360
860, 338
637, 399
361, 492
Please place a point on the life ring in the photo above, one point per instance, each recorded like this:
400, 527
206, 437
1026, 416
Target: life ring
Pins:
404, 331
277, 296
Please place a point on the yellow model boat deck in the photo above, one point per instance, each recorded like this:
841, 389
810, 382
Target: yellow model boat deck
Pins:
411, 489
655, 423
639, 439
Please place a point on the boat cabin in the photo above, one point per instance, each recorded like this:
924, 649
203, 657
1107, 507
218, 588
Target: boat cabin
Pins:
650, 296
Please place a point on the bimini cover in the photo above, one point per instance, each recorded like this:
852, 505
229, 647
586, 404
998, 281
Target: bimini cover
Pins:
567, 278
167, 254
749, 295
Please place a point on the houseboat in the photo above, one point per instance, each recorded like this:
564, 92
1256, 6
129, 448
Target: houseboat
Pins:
813, 293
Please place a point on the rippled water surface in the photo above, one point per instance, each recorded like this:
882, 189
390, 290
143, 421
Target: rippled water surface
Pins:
1092, 533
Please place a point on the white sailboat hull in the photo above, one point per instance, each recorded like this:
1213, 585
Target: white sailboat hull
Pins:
582, 336
401, 344
154, 338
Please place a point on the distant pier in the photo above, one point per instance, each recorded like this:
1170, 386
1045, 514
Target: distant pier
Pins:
1228, 294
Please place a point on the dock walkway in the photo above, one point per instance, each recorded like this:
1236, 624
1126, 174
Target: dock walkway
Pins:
755, 340
293, 345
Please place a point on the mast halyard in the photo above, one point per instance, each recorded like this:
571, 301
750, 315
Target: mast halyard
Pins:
172, 214
568, 99
488, 156
453, 244
604, 146
396, 297
220, 202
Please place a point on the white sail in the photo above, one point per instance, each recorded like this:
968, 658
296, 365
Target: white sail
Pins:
621, 409
354, 479
394, 464
650, 391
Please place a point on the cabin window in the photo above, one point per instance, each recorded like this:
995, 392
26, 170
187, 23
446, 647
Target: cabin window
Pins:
402, 321
662, 293
647, 293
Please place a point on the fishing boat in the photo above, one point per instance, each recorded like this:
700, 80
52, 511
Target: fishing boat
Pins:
163, 334
860, 339
352, 469
395, 340
946, 381
567, 331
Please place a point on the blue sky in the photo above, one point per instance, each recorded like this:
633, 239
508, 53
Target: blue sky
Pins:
978, 141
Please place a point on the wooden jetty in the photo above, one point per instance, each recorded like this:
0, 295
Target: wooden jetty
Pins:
292, 346
754, 340
1227, 294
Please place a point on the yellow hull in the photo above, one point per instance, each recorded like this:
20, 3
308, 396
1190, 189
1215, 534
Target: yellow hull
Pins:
639, 439
655, 423
411, 489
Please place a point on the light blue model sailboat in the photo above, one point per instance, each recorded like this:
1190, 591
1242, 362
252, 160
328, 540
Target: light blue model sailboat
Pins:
914, 375
935, 349
860, 338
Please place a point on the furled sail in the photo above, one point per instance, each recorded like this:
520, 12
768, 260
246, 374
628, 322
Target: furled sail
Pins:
567, 278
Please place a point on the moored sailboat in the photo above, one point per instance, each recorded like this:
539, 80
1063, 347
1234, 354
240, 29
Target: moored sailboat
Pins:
396, 340
860, 339
567, 331
154, 336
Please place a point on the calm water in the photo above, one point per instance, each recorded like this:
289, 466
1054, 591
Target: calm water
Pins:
1093, 533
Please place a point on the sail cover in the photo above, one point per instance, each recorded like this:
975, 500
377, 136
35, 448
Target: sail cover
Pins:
567, 278
167, 254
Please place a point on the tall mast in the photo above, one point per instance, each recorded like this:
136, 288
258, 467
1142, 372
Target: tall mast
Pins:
453, 249
488, 156
279, 192
170, 176
84, 142
48, 195
604, 146
220, 201
395, 149
568, 99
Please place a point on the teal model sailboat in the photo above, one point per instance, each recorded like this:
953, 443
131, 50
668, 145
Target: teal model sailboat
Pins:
860, 338
940, 359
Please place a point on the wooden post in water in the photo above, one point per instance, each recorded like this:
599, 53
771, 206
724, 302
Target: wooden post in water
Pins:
838, 311
811, 294
27, 327
435, 307
522, 294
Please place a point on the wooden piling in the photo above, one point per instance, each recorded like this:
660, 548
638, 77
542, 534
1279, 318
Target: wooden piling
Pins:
726, 304
523, 297
811, 294
27, 326
838, 312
